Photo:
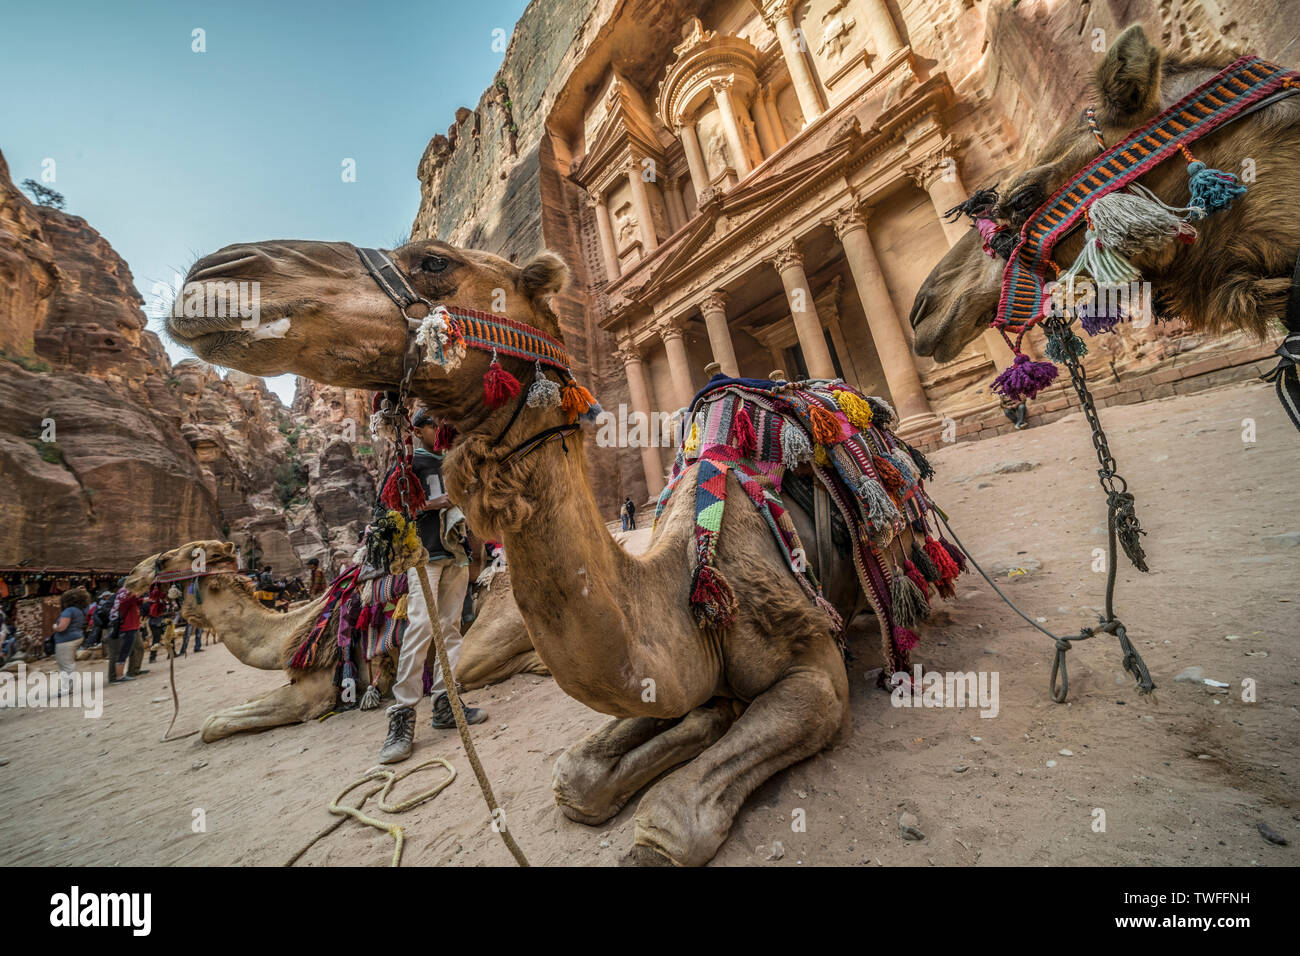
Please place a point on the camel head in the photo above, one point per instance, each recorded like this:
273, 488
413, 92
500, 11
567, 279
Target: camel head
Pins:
215, 556
320, 314
1134, 81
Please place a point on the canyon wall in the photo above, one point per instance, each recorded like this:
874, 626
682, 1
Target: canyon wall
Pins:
108, 453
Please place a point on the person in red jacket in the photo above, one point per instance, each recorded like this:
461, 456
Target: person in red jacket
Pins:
157, 605
126, 608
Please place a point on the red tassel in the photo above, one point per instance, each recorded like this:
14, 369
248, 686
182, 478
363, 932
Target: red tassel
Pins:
363, 620
905, 639
742, 432
391, 495
443, 435
499, 386
917, 578
954, 552
942, 559
712, 599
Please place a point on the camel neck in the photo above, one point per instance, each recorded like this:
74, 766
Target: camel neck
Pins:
255, 634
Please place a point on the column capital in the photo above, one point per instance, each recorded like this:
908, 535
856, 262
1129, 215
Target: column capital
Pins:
721, 84
715, 301
628, 353
595, 198
848, 218
668, 329
787, 256
924, 167
773, 10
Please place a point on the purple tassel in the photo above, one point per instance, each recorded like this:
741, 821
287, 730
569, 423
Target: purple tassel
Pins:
1096, 324
1024, 378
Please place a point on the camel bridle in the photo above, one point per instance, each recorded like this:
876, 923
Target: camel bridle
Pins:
479, 330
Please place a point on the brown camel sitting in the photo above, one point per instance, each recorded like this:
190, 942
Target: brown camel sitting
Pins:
266, 639
704, 715
497, 645
1236, 275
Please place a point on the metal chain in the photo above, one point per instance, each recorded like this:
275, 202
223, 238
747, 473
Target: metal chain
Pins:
1121, 520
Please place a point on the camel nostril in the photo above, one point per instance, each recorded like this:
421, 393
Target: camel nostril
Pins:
226, 263
918, 309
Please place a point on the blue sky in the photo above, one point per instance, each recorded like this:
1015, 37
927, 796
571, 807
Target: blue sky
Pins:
172, 154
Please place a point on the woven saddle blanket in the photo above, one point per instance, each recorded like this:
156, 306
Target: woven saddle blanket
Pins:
759, 431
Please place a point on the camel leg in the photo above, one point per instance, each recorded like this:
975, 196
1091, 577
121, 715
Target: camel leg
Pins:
593, 779
685, 817
311, 695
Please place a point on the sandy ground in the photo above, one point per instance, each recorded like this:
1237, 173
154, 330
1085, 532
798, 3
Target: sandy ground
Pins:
1182, 778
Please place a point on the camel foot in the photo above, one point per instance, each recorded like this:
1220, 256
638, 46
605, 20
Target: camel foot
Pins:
595, 779
644, 856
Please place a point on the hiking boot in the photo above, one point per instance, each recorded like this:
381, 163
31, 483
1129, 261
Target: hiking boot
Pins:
444, 719
401, 735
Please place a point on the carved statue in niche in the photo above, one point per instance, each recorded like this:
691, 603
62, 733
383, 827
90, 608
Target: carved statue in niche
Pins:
717, 153
835, 35
625, 225
693, 34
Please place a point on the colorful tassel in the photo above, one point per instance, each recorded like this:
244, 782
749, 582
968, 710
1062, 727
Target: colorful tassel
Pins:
575, 400
795, 449
543, 393
499, 386
945, 589
1212, 190
923, 466
924, 564
942, 559
693, 440
712, 600
441, 338
908, 603
882, 413
904, 467
443, 435
370, 699
1024, 378
821, 458
854, 407
1133, 225
955, 553
905, 638
916, 577
888, 474
391, 495
744, 440
825, 426
881, 510
1064, 346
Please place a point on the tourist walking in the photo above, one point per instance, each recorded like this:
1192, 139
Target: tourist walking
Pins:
157, 610
69, 632
441, 527
126, 613
316, 587
630, 510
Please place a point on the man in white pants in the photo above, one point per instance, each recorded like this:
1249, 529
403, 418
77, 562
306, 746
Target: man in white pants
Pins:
441, 527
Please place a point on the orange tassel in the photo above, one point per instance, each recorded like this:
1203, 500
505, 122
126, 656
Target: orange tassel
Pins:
575, 400
889, 475
825, 426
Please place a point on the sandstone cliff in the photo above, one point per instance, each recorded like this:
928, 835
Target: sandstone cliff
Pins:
108, 453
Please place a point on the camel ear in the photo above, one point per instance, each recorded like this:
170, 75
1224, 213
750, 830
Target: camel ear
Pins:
1128, 80
544, 274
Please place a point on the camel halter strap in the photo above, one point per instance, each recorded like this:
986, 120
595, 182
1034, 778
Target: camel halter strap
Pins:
442, 333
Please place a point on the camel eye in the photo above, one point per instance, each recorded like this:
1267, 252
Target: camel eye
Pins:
433, 264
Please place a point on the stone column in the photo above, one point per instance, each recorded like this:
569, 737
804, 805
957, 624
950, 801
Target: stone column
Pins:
731, 125
763, 126
774, 117
936, 172
694, 157
650, 462
891, 344
641, 203
678, 364
714, 309
676, 208
881, 27
606, 230
776, 13
807, 324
